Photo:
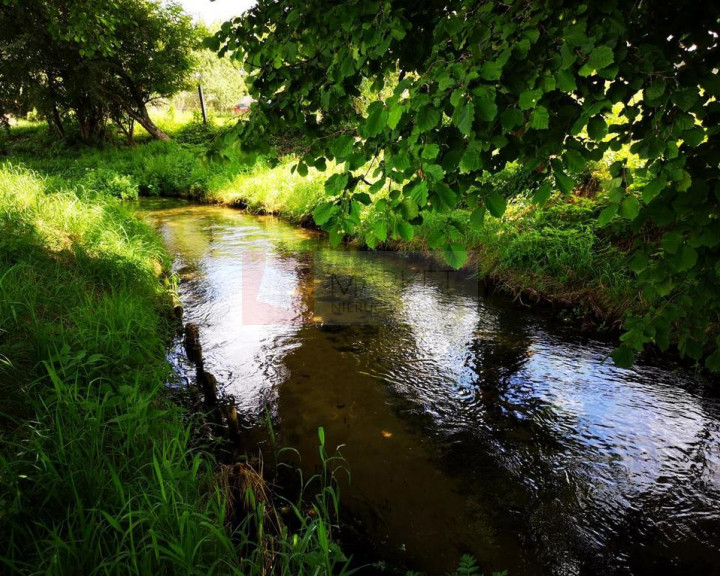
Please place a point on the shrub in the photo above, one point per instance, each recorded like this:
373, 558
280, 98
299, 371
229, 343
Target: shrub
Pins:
112, 183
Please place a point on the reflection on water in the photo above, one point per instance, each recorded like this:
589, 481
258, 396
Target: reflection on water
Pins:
470, 426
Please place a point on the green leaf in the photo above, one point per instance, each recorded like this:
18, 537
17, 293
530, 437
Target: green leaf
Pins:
406, 231
496, 204
671, 242
377, 186
445, 194
694, 137
607, 215
601, 57
712, 362
685, 98
430, 151
511, 118
396, 112
342, 147
529, 98
464, 116
455, 255
471, 161
427, 118
434, 172
477, 217
409, 208
371, 240
542, 194
419, 193
688, 257
565, 81
567, 55
336, 184
655, 90
630, 208
436, 239
597, 128
363, 198
653, 188
376, 120
623, 356
574, 161
540, 118
638, 262
445, 81
323, 212
336, 237
380, 230
491, 71
564, 182
487, 109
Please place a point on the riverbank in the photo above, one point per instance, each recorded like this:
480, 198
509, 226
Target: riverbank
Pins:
100, 471
555, 256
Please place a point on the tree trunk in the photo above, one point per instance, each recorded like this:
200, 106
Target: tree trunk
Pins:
142, 117
57, 122
91, 122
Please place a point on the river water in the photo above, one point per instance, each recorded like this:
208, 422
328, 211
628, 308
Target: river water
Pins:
470, 424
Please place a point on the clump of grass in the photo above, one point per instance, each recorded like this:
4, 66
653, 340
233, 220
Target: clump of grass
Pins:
277, 190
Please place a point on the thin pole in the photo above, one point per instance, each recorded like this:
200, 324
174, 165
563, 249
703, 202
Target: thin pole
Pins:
202, 103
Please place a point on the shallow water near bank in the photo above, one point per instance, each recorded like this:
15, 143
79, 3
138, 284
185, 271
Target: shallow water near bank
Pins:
470, 424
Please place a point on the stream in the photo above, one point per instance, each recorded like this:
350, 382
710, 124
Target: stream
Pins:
470, 423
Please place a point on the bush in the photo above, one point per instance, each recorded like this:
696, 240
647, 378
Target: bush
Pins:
106, 181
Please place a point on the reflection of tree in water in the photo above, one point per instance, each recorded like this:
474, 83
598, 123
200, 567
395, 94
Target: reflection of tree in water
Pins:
570, 495
654, 538
511, 454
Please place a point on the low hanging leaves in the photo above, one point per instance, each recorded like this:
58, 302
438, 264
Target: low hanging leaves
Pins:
547, 87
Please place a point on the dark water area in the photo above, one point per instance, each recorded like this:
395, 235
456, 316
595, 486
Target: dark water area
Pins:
470, 424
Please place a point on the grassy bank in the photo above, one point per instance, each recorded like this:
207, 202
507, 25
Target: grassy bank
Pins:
99, 471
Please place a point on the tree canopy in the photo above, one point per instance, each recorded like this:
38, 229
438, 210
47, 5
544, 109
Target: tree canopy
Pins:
549, 85
95, 59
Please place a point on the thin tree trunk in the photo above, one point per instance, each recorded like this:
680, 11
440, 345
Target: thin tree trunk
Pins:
57, 122
143, 119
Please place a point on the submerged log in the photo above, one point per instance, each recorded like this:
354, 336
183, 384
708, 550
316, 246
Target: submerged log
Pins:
177, 308
208, 384
233, 424
192, 343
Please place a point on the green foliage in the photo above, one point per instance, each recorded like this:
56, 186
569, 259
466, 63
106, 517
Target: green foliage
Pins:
89, 62
494, 83
108, 182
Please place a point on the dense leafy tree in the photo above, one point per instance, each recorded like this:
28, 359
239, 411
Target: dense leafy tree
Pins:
95, 58
484, 83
